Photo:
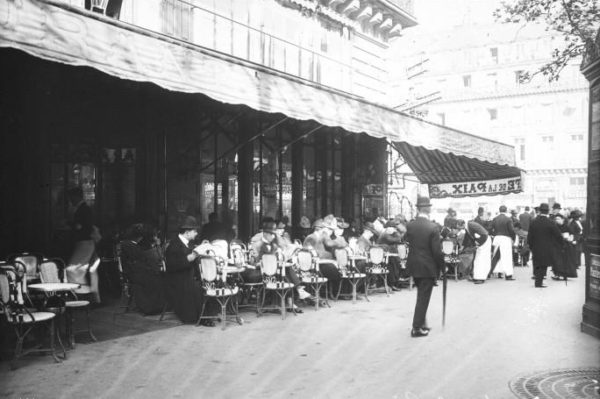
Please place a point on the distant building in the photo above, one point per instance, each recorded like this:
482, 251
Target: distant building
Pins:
468, 77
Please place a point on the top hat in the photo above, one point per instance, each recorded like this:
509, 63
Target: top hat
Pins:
304, 222
189, 223
544, 207
341, 223
423, 202
556, 206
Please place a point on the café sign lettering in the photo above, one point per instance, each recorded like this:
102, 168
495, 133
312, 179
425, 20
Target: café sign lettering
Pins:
475, 188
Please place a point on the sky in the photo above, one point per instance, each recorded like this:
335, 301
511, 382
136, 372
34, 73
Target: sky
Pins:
442, 14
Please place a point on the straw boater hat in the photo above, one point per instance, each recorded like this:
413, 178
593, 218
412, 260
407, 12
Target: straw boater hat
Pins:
189, 223
318, 224
330, 222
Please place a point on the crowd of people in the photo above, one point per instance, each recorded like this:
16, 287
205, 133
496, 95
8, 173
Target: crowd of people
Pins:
485, 246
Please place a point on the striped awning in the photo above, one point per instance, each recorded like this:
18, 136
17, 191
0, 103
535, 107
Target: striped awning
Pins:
57, 31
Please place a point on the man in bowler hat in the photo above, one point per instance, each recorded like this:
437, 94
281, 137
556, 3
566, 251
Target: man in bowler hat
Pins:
544, 238
425, 260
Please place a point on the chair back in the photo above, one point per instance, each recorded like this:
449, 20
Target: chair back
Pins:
402, 251
269, 264
208, 268
11, 287
376, 255
305, 260
50, 271
238, 255
31, 262
341, 256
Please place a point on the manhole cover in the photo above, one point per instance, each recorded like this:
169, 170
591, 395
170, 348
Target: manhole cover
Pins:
554, 384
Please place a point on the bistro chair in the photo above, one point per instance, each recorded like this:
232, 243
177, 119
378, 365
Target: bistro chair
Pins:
403, 256
377, 268
451, 259
51, 271
273, 279
240, 256
310, 275
31, 261
23, 320
126, 297
219, 290
349, 273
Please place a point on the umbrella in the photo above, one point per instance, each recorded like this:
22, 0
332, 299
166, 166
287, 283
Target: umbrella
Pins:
444, 291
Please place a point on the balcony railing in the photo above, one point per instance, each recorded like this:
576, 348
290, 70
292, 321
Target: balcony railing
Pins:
200, 26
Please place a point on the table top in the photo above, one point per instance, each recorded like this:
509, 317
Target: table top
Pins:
233, 269
357, 257
327, 261
53, 287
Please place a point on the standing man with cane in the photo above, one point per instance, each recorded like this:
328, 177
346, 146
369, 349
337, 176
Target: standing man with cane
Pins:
425, 260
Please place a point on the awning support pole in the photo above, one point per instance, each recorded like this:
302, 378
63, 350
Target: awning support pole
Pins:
285, 147
237, 147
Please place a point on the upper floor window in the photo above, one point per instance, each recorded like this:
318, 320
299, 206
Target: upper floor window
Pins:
577, 181
467, 80
569, 111
577, 137
441, 118
494, 54
519, 76
548, 139
520, 148
493, 113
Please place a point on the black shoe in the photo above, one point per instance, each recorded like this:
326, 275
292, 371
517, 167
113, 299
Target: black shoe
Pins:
541, 286
396, 288
426, 328
510, 278
557, 278
419, 332
478, 281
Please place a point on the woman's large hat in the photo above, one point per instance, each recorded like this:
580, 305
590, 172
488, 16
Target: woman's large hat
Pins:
423, 202
304, 222
189, 223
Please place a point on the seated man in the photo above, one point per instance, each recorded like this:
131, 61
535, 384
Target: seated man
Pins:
389, 240
182, 289
269, 244
141, 265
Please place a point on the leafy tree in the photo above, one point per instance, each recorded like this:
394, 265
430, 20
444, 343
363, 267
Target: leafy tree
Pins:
576, 20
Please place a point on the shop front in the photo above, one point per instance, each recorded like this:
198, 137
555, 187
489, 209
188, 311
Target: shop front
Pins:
591, 309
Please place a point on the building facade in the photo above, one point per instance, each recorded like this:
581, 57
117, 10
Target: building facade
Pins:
470, 78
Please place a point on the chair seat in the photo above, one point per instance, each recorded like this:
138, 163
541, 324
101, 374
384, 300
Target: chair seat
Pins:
37, 317
278, 285
353, 275
308, 279
83, 289
216, 292
77, 304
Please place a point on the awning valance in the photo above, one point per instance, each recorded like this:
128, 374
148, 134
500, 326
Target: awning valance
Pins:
56, 31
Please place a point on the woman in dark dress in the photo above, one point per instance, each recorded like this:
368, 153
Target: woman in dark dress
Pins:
565, 267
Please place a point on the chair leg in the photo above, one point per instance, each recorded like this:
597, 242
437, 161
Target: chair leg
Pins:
283, 309
223, 313
52, 347
339, 289
89, 327
201, 313
387, 290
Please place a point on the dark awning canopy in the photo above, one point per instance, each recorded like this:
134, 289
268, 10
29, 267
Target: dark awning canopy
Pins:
59, 32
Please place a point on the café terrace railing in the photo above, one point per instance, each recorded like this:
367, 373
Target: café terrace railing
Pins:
194, 24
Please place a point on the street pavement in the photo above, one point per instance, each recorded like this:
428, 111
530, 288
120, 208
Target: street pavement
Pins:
494, 332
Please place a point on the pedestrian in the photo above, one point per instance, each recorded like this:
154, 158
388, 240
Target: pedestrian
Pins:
565, 264
543, 239
525, 219
504, 235
424, 263
576, 229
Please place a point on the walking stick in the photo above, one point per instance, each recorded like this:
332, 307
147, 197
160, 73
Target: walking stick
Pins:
448, 248
444, 291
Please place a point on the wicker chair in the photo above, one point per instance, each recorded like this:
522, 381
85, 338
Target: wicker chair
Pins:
274, 282
310, 275
377, 268
349, 273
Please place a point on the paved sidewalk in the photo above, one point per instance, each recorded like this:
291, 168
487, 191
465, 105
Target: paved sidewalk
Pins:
494, 333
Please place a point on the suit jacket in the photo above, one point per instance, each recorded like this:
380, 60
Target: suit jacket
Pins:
176, 258
544, 239
525, 220
425, 257
473, 228
82, 223
502, 225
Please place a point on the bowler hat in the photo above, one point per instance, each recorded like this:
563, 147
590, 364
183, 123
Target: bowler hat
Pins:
544, 207
268, 227
575, 214
423, 202
556, 206
189, 223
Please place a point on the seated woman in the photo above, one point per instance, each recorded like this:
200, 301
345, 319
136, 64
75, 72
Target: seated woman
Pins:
141, 258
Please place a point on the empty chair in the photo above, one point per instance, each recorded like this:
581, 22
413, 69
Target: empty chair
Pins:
31, 261
51, 271
218, 290
310, 275
274, 282
19, 317
377, 268
349, 273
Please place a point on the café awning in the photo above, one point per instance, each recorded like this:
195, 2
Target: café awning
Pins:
56, 31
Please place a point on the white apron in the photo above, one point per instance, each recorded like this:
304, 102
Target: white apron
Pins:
505, 264
483, 260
